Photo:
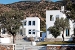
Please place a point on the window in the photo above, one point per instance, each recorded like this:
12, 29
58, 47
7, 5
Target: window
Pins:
33, 22
4, 31
29, 22
57, 16
51, 17
67, 32
24, 23
33, 31
29, 31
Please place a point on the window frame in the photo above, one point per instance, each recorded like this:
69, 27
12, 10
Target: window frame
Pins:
33, 23
29, 31
67, 32
29, 22
51, 18
33, 32
25, 23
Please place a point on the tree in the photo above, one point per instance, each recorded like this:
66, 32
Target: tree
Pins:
70, 6
42, 26
62, 24
11, 21
54, 31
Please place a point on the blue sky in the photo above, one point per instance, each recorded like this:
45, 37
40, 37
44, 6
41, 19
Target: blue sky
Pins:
12, 1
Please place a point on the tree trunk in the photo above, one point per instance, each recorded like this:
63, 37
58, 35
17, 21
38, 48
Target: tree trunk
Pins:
14, 39
63, 35
0, 34
55, 39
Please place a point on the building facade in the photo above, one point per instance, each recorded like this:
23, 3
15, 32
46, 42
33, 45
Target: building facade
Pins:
51, 16
30, 27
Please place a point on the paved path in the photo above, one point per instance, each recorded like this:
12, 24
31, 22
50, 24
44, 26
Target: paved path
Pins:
22, 44
19, 40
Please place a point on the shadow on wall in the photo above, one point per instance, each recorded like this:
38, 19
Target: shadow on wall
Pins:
70, 39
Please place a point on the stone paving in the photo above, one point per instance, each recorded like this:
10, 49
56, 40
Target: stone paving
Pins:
20, 41
22, 44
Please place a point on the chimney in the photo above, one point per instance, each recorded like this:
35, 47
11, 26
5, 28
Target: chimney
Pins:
62, 8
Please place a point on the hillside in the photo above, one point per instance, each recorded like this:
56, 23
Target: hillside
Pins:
31, 9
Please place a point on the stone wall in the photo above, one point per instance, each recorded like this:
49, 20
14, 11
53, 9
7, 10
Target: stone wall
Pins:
60, 47
6, 47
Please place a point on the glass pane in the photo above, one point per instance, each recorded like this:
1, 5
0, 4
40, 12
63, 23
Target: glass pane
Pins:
67, 32
29, 22
33, 32
51, 17
29, 32
33, 29
33, 22
24, 23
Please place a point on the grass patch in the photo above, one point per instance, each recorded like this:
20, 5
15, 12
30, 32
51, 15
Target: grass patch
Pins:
54, 43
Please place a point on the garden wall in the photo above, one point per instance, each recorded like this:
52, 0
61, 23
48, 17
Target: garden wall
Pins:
60, 47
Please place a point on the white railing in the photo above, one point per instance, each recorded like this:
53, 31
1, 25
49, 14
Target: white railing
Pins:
5, 40
24, 47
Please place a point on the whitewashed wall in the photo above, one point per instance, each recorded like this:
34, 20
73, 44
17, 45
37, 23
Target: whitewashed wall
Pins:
5, 40
36, 27
51, 23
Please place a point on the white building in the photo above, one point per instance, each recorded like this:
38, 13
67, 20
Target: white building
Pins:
5, 37
31, 27
51, 16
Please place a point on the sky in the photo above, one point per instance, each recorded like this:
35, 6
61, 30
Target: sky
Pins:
12, 1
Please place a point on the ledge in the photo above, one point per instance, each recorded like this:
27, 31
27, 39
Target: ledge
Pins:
62, 45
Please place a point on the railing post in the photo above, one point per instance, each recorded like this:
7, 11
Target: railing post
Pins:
24, 47
14, 47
